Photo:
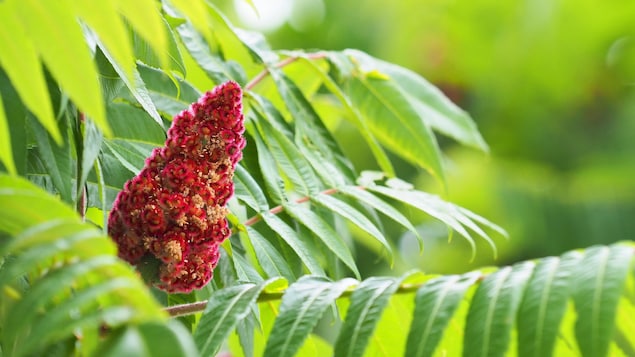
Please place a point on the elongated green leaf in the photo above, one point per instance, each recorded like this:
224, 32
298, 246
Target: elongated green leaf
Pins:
381, 206
436, 302
270, 260
136, 86
144, 53
170, 95
75, 282
294, 241
354, 216
544, 304
273, 181
16, 116
446, 212
103, 19
132, 123
427, 100
146, 20
101, 194
248, 191
367, 303
224, 309
197, 13
493, 309
290, 160
56, 159
90, 149
20, 61
212, 65
303, 304
355, 116
598, 281
323, 230
149, 339
308, 125
17, 216
6, 152
59, 40
395, 123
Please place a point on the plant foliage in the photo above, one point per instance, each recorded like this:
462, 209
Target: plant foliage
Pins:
78, 122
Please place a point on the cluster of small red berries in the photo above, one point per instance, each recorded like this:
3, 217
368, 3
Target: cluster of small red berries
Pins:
175, 208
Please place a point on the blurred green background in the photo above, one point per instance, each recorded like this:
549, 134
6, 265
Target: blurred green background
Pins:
548, 82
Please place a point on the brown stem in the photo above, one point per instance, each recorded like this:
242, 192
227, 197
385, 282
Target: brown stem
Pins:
285, 62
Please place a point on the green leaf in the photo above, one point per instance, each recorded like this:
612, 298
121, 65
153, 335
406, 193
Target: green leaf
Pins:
15, 114
56, 159
248, 191
146, 20
446, 212
544, 304
169, 95
303, 304
395, 123
128, 122
355, 117
137, 87
273, 181
290, 160
294, 241
212, 65
60, 43
130, 154
16, 216
436, 302
493, 309
149, 339
101, 194
381, 206
90, 149
427, 100
599, 281
6, 152
103, 19
21, 62
354, 216
308, 125
225, 308
144, 53
197, 13
323, 230
270, 260
63, 274
367, 303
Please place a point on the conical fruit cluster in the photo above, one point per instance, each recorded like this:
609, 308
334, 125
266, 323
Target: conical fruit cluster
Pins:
175, 208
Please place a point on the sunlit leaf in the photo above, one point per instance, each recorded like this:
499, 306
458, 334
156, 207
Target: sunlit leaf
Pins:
224, 309
323, 230
59, 40
303, 304
491, 318
544, 304
367, 304
436, 302
6, 152
21, 63
598, 283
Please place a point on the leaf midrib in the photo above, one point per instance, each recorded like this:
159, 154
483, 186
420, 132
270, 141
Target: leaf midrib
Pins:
361, 319
234, 302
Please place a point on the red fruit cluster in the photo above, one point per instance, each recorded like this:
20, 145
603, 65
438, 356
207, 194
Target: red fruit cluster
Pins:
174, 209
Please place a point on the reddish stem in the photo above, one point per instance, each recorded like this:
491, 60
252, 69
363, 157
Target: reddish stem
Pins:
285, 62
255, 219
